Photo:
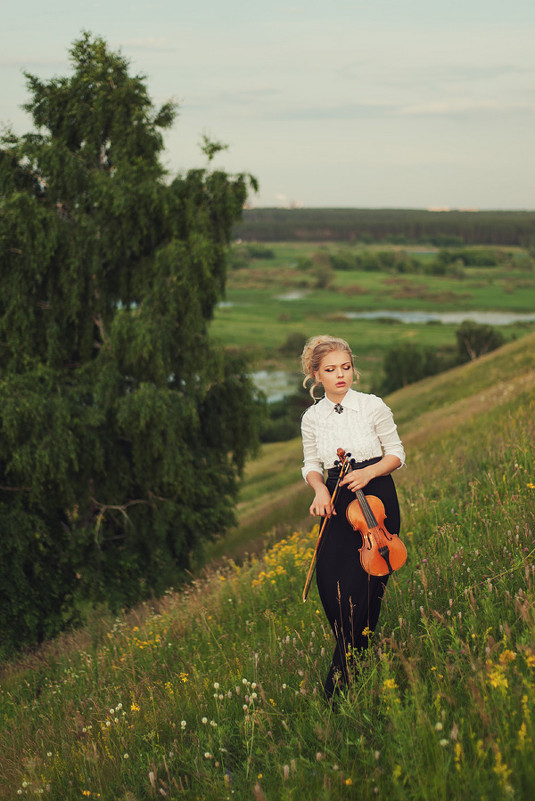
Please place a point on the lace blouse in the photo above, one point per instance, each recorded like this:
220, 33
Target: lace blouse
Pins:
365, 429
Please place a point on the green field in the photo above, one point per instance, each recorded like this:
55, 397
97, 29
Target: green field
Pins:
215, 692
256, 319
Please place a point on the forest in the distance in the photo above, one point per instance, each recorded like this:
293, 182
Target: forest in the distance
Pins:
398, 226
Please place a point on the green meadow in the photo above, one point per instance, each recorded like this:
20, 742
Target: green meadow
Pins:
269, 300
214, 691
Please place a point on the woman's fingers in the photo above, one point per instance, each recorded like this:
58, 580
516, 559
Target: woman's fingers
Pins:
322, 510
356, 479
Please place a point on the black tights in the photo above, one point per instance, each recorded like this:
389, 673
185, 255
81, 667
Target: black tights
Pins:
351, 597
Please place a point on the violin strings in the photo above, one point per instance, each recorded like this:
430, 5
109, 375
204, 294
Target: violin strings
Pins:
368, 514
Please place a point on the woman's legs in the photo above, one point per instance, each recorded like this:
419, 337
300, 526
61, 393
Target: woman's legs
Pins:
351, 597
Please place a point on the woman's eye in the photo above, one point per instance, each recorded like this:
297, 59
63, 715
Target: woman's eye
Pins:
343, 366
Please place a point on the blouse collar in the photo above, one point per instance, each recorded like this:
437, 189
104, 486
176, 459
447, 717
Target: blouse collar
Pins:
326, 407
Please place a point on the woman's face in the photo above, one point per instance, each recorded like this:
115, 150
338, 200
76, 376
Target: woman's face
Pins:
336, 374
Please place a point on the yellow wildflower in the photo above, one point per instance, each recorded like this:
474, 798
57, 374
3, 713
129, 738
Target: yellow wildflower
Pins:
497, 678
501, 770
522, 736
507, 656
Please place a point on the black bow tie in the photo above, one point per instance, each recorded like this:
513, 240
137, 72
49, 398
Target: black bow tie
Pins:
338, 408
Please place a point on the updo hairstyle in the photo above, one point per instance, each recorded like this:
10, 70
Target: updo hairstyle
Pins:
314, 351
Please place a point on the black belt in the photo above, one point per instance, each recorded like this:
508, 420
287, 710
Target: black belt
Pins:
334, 472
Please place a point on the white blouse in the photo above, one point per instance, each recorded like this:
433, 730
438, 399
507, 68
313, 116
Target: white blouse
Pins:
365, 429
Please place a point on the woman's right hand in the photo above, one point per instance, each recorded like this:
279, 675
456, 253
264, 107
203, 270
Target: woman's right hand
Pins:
321, 505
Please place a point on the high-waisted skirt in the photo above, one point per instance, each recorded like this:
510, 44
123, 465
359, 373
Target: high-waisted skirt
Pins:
351, 597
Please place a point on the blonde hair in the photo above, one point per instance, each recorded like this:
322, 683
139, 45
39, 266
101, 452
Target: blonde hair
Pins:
314, 351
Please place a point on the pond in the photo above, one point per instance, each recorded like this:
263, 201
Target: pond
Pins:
276, 384
482, 317
297, 294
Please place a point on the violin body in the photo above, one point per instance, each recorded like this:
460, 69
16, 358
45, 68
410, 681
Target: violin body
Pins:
381, 552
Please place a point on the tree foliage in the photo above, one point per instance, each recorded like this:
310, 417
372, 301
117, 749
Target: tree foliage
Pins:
407, 362
123, 428
476, 339
397, 226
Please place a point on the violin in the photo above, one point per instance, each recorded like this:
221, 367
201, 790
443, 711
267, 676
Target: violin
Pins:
381, 552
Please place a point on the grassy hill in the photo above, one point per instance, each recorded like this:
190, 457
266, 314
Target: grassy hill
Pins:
214, 692
275, 499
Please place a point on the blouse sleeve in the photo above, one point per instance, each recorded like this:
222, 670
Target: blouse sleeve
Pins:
311, 459
387, 431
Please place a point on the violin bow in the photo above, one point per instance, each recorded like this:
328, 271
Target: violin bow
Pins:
344, 468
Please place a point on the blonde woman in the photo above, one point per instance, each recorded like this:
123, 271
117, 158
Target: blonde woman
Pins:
362, 425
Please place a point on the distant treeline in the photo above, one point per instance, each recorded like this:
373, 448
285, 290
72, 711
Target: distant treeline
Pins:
398, 226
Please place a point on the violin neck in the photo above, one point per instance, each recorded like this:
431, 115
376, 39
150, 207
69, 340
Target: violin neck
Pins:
365, 506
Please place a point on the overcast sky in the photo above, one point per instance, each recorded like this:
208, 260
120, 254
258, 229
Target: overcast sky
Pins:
359, 103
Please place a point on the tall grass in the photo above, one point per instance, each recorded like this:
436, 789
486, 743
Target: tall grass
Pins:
215, 692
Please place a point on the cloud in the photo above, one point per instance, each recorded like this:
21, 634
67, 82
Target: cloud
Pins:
464, 106
347, 111
26, 62
150, 43
477, 72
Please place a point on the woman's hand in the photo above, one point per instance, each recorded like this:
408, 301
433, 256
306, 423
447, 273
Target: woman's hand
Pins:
358, 479
321, 505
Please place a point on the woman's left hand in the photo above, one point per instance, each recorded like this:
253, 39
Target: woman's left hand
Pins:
358, 479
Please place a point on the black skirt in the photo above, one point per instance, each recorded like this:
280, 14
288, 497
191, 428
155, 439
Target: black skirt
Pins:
351, 597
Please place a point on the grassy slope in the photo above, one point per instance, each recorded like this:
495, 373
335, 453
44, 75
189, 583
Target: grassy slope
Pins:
214, 692
274, 497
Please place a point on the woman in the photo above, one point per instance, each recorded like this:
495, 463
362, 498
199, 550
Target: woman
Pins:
363, 426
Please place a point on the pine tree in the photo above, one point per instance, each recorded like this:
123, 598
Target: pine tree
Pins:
123, 428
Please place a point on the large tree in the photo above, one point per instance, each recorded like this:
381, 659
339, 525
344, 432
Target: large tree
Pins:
123, 429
